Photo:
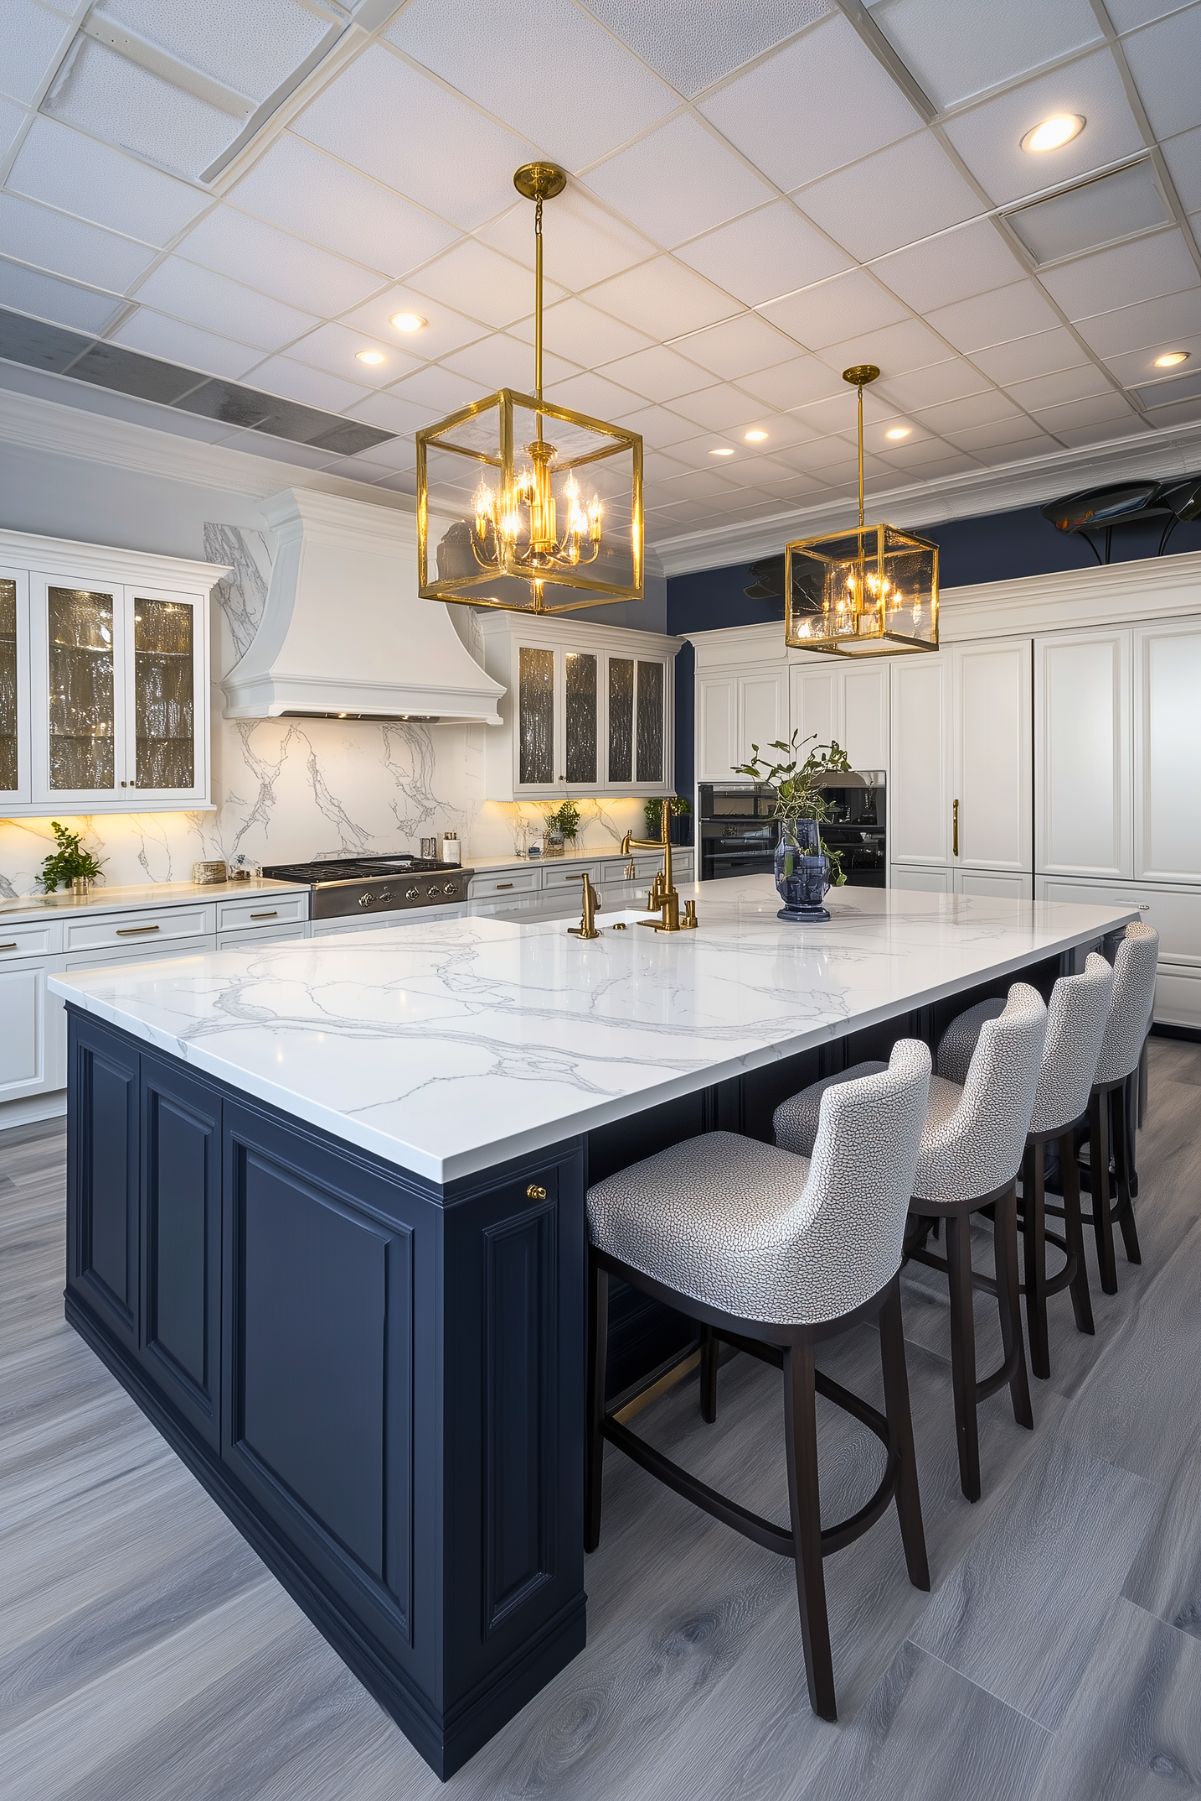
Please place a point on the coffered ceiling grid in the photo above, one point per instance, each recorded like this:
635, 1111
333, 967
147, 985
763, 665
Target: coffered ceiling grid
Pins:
761, 196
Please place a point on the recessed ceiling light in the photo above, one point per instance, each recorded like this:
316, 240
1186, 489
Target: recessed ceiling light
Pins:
721, 450
896, 432
370, 356
755, 437
1172, 359
1053, 133
409, 321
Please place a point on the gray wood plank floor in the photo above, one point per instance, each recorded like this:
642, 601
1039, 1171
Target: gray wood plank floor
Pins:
145, 1654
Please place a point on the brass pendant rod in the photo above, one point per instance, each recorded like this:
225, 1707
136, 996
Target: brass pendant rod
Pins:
859, 392
538, 303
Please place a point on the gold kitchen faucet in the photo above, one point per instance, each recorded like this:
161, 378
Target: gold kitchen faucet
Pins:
664, 899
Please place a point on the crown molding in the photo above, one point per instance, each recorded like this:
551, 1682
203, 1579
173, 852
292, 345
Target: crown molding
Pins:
74, 431
950, 497
107, 562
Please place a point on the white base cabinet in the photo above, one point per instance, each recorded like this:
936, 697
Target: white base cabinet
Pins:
1176, 915
1003, 884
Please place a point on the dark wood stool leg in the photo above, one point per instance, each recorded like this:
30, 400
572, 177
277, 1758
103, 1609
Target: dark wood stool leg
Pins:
594, 1449
1098, 1182
1142, 1086
1082, 1301
708, 1375
900, 1429
1034, 1229
963, 1352
1009, 1305
1123, 1105
800, 1435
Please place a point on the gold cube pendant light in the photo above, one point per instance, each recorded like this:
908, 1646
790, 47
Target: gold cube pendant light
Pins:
525, 505
870, 592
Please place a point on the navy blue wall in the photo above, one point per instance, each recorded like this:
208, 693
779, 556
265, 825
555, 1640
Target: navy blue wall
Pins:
994, 548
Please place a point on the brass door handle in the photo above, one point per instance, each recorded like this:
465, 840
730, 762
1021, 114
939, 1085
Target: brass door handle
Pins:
135, 931
502, 886
535, 1192
274, 914
9, 947
955, 828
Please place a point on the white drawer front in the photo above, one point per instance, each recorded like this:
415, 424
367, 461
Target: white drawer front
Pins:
1178, 997
265, 934
568, 875
263, 911
35, 940
505, 881
31, 1044
1174, 912
120, 931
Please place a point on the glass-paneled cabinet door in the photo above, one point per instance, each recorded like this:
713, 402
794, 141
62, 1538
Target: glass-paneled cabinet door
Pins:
650, 722
620, 716
536, 717
14, 686
581, 718
165, 700
79, 692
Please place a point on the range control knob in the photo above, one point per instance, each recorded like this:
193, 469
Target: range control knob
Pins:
412, 894
384, 896
366, 900
449, 888
432, 892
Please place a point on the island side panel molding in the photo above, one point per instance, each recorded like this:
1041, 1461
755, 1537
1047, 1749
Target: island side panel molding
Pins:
102, 1178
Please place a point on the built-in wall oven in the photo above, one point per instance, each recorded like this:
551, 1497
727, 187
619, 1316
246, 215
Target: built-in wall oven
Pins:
737, 832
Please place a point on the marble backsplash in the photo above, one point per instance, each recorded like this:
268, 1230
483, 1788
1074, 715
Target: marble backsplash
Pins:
289, 790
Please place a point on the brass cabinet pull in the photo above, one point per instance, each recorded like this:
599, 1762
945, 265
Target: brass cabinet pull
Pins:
955, 828
535, 1192
274, 914
135, 931
501, 885
9, 947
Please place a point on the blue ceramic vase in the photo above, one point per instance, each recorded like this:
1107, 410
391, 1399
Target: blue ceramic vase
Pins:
802, 872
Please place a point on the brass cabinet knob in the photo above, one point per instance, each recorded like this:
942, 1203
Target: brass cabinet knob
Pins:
535, 1192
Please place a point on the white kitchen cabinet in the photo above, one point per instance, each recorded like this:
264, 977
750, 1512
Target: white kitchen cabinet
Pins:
1167, 751
988, 883
1176, 915
920, 774
930, 878
735, 710
104, 678
716, 726
1082, 754
32, 1044
849, 706
588, 709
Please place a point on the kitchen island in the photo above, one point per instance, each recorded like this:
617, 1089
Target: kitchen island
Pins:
326, 1225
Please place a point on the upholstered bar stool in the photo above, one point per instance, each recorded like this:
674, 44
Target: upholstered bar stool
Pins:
1076, 1021
776, 1252
1113, 1101
971, 1151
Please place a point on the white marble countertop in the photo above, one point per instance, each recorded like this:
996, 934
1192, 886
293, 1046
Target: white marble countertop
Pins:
489, 865
449, 1045
102, 899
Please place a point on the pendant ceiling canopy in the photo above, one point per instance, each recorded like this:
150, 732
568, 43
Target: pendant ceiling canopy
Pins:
523, 504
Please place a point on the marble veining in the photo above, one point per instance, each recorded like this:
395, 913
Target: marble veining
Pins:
447, 1045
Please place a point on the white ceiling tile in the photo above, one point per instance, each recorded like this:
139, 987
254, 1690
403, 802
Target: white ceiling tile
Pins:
794, 384
1133, 367
954, 59
296, 186
583, 241
310, 386
584, 334
988, 136
953, 266
818, 103
998, 431
662, 298
783, 430
596, 395
658, 374
93, 181
67, 246
391, 413
32, 39
12, 118
678, 181
895, 349
700, 485
765, 254
437, 389
334, 348
951, 463
695, 453
1123, 274
251, 45
737, 347
975, 409
1025, 358
904, 192
659, 467
927, 387
444, 331
155, 335
1150, 323
501, 361
1183, 157
1127, 14
876, 440
659, 427
1101, 409
1015, 311
695, 42
1063, 385
402, 127
396, 453
1022, 451
1104, 432
833, 310
234, 244
488, 49
718, 409
212, 301
489, 286
115, 98
29, 291
838, 413
1184, 412
1164, 60
361, 469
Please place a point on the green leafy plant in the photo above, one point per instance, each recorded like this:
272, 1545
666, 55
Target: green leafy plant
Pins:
564, 819
654, 813
795, 780
69, 861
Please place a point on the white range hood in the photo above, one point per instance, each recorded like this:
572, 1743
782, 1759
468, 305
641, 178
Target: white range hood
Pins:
343, 633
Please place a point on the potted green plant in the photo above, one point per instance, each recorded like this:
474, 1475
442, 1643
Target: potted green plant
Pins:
805, 866
69, 865
562, 827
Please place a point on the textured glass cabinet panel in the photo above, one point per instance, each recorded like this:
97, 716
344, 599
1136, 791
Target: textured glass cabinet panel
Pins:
535, 715
621, 719
82, 710
164, 704
8, 686
650, 721
580, 715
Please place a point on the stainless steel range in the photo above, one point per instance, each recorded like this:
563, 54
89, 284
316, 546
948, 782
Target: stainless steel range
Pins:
344, 887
